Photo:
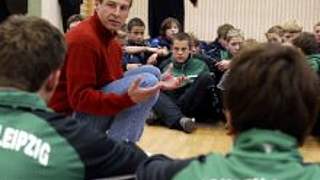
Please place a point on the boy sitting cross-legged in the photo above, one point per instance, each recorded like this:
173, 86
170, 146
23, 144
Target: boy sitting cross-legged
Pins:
179, 108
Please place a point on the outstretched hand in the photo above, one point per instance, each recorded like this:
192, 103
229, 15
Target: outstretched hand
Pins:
169, 82
139, 94
172, 83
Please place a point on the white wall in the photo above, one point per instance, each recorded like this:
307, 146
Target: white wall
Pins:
50, 10
254, 17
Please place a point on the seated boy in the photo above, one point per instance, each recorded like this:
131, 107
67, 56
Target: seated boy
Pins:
291, 29
177, 108
271, 101
234, 41
274, 34
137, 52
316, 31
219, 45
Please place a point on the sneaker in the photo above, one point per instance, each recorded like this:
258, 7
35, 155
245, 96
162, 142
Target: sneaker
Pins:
188, 124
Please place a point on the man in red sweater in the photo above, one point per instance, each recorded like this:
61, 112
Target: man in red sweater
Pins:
92, 82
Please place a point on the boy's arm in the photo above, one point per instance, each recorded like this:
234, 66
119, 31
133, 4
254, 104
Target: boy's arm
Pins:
160, 167
135, 49
139, 49
101, 156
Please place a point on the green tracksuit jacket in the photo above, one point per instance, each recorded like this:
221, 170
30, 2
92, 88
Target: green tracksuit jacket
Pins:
256, 155
314, 62
37, 144
191, 69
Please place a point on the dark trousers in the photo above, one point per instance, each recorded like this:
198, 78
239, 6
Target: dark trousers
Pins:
197, 100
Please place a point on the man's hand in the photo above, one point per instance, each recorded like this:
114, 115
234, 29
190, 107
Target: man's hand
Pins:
172, 83
168, 73
169, 82
140, 94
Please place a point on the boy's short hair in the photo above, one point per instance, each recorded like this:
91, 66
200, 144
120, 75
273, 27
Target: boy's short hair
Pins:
167, 23
317, 24
135, 22
194, 40
223, 30
30, 50
278, 91
306, 42
291, 27
182, 36
277, 29
232, 33
74, 18
248, 43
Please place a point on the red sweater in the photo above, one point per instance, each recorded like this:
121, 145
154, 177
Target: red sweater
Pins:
92, 61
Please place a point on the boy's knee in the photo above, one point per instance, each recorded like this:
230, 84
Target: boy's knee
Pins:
205, 78
152, 70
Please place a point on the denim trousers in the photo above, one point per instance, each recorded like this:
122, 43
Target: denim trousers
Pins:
128, 124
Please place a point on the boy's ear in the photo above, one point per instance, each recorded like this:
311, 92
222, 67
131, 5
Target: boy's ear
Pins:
49, 85
52, 81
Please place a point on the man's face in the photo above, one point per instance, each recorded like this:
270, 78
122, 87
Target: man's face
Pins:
317, 33
113, 13
234, 45
180, 50
136, 34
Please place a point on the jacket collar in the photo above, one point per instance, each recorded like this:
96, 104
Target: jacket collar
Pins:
178, 65
21, 99
268, 144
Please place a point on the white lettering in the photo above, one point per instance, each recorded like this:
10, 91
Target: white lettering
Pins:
22, 140
28, 150
8, 138
29, 144
44, 154
37, 148
0, 135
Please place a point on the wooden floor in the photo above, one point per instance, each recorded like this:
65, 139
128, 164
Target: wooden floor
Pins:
205, 139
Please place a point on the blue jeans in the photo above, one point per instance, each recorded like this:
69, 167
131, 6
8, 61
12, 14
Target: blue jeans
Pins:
128, 124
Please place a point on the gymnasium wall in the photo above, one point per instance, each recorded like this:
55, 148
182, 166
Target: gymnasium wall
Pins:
254, 17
